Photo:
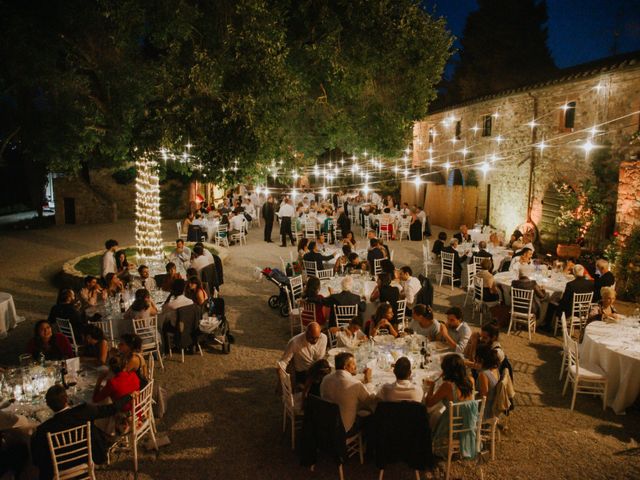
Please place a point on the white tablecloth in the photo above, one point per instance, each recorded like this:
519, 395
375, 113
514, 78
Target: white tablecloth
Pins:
8, 316
615, 348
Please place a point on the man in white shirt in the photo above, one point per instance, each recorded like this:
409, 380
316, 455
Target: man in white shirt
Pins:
457, 332
109, 258
182, 254
205, 251
520, 261
304, 349
144, 280
176, 300
249, 208
423, 323
410, 285
201, 260
286, 213
236, 223
344, 389
402, 390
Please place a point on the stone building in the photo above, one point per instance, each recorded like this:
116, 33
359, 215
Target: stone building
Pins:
522, 142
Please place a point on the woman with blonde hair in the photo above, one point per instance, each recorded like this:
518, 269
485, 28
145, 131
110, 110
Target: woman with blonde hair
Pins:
605, 311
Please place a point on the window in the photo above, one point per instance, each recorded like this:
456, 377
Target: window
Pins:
568, 117
432, 135
487, 121
458, 129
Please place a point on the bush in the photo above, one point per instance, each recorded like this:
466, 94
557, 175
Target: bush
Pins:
627, 267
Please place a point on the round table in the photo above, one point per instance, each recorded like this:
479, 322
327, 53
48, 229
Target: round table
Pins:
8, 316
615, 348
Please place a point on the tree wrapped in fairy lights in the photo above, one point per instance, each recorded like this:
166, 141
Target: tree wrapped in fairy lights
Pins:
148, 221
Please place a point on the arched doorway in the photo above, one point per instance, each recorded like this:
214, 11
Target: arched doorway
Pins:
547, 227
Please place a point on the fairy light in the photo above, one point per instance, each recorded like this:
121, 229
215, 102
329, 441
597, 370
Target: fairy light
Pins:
148, 227
485, 167
417, 180
587, 146
542, 145
475, 129
532, 124
366, 189
499, 139
324, 192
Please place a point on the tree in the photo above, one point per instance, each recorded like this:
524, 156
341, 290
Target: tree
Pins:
245, 81
504, 45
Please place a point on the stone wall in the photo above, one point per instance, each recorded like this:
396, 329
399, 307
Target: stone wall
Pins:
90, 206
628, 208
601, 98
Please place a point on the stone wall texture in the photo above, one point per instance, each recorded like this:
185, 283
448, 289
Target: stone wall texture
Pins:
628, 208
607, 99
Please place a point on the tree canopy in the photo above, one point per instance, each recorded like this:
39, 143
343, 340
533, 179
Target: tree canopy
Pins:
91, 82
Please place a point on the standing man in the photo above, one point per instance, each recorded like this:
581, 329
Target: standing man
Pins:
285, 213
268, 212
109, 258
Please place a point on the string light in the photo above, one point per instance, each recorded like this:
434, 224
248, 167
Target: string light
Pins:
417, 180
475, 129
148, 228
588, 146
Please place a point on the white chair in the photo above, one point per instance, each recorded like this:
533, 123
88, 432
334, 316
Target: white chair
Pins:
311, 269
147, 330
521, 310
222, 235
366, 226
241, 236
391, 255
377, 266
71, 453
428, 260
479, 303
580, 308
107, 328
293, 297
297, 234
404, 228
181, 235
142, 424
471, 275
458, 428
477, 261
588, 379
170, 336
67, 330
310, 229
307, 314
384, 229
344, 314
291, 405
565, 345
402, 314
446, 267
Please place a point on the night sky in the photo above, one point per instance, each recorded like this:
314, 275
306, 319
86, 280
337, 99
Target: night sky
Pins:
579, 30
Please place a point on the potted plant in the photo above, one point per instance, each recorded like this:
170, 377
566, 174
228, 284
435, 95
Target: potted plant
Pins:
580, 211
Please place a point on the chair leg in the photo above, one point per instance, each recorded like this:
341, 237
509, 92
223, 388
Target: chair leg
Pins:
566, 384
575, 393
562, 366
361, 449
182, 355
160, 358
510, 325
604, 396
284, 418
340, 472
449, 455
381, 474
293, 432
199, 349
417, 474
134, 446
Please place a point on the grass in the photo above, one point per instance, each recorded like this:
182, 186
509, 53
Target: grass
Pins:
92, 265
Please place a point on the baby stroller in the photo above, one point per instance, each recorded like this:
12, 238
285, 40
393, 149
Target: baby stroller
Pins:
215, 329
280, 301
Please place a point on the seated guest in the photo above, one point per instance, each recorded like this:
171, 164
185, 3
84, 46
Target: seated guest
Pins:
343, 260
423, 323
121, 384
425, 294
390, 269
68, 416
54, 346
350, 336
181, 254
488, 378
143, 280
236, 223
527, 242
402, 390
65, 308
114, 285
349, 239
313, 255
304, 350
578, 285
524, 282
311, 294
129, 350
438, 245
355, 264
375, 253
457, 386
96, 346
515, 242
457, 259
486, 338
345, 297
605, 279
199, 259
141, 307
195, 291
343, 223
92, 293
381, 320
457, 332
316, 374
186, 223
384, 291
123, 266
384, 247
518, 262
490, 290
303, 249
482, 253
171, 276
494, 240
463, 235
109, 258
344, 389
605, 311
205, 251
410, 285
175, 300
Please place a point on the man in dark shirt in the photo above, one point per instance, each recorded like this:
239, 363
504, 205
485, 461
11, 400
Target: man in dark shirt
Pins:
457, 259
463, 235
268, 213
66, 417
314, 256
482, 253
375, 253
345, 297
579, 285
606, 279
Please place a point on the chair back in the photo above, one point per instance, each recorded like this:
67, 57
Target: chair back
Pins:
71, 453
107, 328
179, 227
147, 330
151, 366
377, 266
565, 331
310, 268
459, 426
310, 229
573, 358
296, 286
478, 289
287, 389
401, 313
307, 313
405, 224
521, 302
477, 261
471, 274
142, 412
446, 262
581, 305
67, 330
332, 338
344, 314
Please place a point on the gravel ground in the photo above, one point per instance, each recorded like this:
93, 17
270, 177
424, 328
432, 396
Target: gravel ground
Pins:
224, 418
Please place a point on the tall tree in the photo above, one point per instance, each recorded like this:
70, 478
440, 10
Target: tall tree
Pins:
504, 45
